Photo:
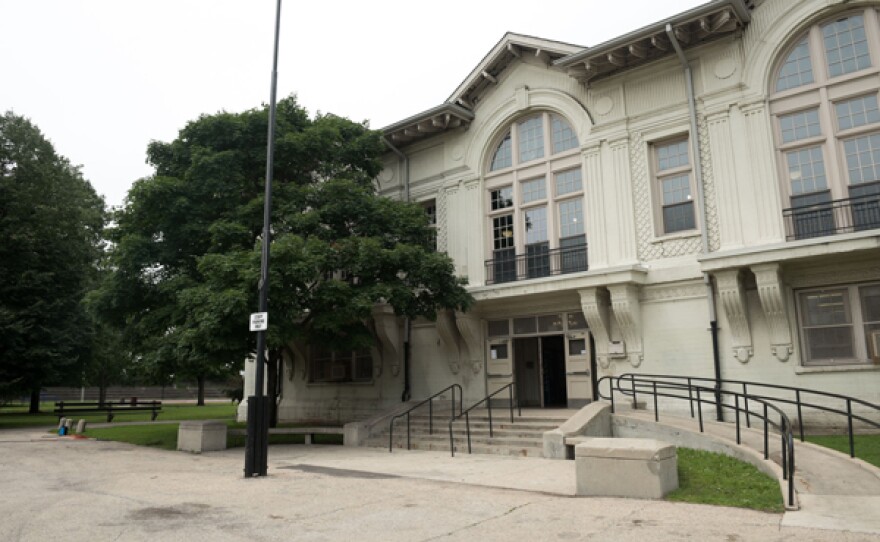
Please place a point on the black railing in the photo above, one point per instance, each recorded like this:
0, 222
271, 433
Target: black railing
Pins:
857, 213
430, 402
488, 400
536, 264
683, 388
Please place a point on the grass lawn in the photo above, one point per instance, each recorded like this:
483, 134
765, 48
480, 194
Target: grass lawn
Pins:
710, 478
165, 436
867, 446
17, 416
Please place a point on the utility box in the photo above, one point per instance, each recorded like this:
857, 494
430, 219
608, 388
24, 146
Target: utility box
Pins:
201, 436
626, 467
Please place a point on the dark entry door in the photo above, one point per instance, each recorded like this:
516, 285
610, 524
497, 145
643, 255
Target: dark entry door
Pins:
553, 371
527, 364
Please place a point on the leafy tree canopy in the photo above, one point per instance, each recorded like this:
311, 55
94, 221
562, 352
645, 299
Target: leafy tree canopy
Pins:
50, 225
187, 243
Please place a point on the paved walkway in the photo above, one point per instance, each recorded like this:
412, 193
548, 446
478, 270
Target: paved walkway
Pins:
85, 490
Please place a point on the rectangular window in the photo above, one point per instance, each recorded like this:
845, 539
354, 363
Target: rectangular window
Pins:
502, 198
857, 112
537, 246
568, 182
533, 190
862, 158
498, 328
571, 218
838, 324
531, 139
563, 136
673, 178
797, 69
800, 125
333, 366
806, 170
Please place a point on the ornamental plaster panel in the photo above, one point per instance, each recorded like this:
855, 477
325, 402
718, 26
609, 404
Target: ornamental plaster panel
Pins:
596, 305
770, 290
663, 89
710, 195
674, 292
731, 294
442, 226
628, 315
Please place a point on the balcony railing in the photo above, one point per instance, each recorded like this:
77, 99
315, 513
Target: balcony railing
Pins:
537, 263
834, 217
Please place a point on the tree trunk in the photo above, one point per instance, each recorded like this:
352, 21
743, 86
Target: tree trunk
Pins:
34, 407
102, 389
201, 381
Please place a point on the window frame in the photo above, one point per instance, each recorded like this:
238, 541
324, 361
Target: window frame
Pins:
861, 349
657, 178
337, 358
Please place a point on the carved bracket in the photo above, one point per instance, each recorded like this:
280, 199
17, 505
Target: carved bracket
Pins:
596, 304
388, 332
733, 300
469, 327
769, 280
299, 352
450, 337
628, 315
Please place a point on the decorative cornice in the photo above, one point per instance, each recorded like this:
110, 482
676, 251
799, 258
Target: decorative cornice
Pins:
668, 292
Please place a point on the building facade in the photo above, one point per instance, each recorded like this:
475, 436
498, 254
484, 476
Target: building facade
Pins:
610, 205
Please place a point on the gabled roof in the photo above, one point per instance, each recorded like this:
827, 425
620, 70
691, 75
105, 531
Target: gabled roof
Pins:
691, 28
694, 27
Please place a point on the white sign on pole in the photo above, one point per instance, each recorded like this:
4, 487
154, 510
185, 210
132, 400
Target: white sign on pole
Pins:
259, 321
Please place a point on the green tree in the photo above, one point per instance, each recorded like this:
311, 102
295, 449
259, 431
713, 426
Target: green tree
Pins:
50, 223
187, 243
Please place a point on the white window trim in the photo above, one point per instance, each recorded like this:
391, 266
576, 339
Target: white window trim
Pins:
656, 188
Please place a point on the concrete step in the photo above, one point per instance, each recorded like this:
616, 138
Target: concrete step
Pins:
513, 447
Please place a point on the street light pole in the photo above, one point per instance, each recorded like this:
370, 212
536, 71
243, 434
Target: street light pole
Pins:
257, 445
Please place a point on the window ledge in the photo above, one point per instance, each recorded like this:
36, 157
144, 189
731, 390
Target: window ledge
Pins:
849, 367
676, 236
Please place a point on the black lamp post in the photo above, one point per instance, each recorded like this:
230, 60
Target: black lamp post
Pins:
257, 445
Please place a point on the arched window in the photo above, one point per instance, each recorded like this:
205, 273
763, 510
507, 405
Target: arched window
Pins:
824, 101
535, 214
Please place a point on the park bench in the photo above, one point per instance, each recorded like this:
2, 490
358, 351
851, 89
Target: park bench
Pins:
65, 408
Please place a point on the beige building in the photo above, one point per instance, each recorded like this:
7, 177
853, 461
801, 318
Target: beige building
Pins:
608, 204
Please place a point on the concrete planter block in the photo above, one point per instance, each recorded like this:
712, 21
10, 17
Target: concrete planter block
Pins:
201, 436
626, 467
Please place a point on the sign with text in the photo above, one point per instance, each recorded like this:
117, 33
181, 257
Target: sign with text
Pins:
259, 321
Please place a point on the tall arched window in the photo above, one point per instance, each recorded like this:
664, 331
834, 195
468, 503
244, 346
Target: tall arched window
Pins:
824, 100
535, 214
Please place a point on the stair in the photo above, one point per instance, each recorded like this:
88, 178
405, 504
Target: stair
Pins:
524, 437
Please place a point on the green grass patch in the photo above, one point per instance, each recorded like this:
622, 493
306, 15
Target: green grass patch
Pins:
17, 416
164, 436
867, 447
710, 478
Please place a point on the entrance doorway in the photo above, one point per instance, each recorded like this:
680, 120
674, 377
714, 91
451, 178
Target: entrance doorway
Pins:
539, 364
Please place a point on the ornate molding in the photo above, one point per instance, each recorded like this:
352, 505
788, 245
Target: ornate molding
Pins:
835, 276
733, 300
448, 332
654, 294
769, 280
442, 213
596, 305
388, 332
469, 327
628, 315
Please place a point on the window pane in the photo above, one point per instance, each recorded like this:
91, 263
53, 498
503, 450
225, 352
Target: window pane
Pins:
568, 182
812, 215
800, 125
551, 322
826, 308
498, 351
857, 112
499, 328
676, 189
535, 225
577, 347
534, 190
502, 157
531, 139
576, 320
865, 206
573, 253
563, 136
846, 46
806, 170
363, 366
538, 259
679, 217
829, 343
502, 232
524, 325
862, 158
502, 198
672, 155
571, 218
870, 297
797, 69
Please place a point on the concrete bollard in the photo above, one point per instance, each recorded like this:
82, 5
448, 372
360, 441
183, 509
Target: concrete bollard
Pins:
81, 426
61, 422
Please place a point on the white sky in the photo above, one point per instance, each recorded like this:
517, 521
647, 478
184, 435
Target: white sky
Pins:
102, 78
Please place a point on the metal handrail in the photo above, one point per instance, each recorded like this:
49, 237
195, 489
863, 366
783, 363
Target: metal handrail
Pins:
541, 263
430, 402
486, 399
798, 400
648, 384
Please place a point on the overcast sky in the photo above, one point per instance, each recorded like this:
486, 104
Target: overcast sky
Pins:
102, 78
